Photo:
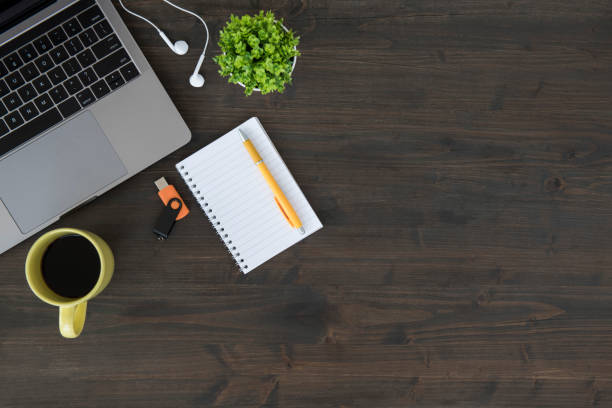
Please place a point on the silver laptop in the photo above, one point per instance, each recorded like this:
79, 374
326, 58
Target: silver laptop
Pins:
81, 110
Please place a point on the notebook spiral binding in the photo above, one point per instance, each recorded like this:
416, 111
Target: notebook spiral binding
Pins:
227, 241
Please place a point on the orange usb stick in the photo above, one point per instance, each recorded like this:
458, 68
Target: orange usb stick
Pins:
167, 192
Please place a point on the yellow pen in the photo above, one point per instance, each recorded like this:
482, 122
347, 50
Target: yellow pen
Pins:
279, 197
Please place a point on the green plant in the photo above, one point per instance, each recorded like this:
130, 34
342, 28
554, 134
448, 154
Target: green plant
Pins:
257, 52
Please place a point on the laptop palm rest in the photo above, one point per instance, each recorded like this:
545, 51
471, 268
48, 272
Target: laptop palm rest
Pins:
66, 166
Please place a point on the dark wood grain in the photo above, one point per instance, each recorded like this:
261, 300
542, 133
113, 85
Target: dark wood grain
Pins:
459, 155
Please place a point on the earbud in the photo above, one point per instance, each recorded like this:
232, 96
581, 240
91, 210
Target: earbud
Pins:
196, 79
180, 47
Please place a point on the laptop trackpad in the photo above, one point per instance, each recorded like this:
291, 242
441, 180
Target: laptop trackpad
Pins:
61, 169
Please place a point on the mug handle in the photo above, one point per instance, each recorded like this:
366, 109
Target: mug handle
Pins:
72, 319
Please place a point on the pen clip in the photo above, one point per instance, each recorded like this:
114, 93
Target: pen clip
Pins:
283, 211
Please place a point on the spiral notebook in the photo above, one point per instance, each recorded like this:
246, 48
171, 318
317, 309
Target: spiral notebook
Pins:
237, 200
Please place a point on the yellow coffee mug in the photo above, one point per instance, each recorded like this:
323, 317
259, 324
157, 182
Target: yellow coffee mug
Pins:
72, 311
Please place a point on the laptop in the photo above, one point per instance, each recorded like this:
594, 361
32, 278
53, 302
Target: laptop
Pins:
81, 111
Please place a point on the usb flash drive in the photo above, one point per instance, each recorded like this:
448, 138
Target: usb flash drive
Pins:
166, 192
174, 209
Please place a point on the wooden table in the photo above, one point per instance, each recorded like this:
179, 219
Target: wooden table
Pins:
459, 156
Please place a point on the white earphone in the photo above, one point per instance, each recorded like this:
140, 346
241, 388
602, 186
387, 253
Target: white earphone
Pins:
180, 47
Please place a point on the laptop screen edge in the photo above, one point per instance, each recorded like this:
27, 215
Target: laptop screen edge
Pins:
14, 12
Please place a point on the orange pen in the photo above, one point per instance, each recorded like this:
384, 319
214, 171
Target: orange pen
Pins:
279, 197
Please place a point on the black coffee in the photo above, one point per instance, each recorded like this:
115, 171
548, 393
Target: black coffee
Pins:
71, 266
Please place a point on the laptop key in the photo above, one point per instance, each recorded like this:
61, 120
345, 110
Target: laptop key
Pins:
30, 130
3, 70
69, 107
42, 84
44, 63
29, 72
73, 46
106, 46
15, 80
111, 63
57, 75
3, 110
72, 27
3, 128
129, 71
27, 92
71, 66
85, 97
58, 94
4, 89
28, 111
42, 44
28, 53
88, 37
100, 88
13, 61
90, 16
57, 36
12, 101
88, 76
43, 102
103, 29
115, 80
59, 54
14, 119
86, 58
73, 85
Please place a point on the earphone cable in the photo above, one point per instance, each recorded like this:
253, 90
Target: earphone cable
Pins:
139, 16
196, 16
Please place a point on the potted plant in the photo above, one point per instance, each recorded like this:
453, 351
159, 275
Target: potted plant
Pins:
258, 53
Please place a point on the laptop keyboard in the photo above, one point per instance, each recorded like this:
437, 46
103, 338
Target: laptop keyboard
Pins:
56, 69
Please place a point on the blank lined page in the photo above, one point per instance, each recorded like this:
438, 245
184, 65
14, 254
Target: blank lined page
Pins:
238, 201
